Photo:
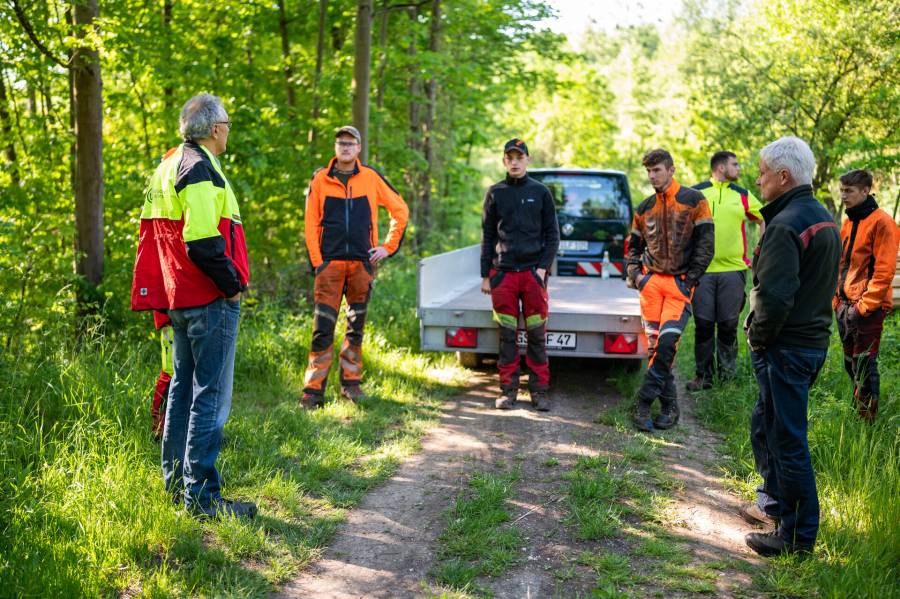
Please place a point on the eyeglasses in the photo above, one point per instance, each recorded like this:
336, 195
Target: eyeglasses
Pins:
228, 123
345, 144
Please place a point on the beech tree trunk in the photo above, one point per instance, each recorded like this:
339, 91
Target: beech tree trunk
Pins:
88, 104
362, 73
434, 45
6, 127
317, 77
286, 57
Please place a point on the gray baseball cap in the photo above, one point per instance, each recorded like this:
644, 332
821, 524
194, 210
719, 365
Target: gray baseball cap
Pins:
350, 130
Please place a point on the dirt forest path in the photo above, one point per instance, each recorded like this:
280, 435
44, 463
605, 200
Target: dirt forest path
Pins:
390, 544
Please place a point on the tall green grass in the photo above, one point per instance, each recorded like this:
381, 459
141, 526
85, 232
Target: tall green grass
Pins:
857, 473
82, 506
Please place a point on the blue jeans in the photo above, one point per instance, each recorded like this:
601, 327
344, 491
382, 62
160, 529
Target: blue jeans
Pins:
778, 434
199, 399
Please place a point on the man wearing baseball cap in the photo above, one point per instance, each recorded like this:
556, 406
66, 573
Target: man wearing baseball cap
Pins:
341, 224
520, 237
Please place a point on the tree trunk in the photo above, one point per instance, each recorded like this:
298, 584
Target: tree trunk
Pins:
286, 57
6, 127
88, 151
168, 95
362, 73
414, 140
379, 75
317, 77
434, 44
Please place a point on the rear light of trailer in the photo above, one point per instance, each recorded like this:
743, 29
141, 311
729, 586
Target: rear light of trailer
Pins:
461, 337
620, 343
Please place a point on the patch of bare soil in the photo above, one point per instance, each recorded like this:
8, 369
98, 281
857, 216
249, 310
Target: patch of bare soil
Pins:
390, 541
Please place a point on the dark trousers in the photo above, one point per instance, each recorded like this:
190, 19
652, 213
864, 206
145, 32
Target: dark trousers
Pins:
778, 435
861, 337
718, 301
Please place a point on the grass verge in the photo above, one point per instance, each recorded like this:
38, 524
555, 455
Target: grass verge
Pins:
83, 508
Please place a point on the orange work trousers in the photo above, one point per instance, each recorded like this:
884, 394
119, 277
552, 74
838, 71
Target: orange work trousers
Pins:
337, 279
665, 310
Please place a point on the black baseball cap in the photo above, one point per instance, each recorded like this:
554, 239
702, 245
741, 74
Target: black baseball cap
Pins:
349, 130
515, 144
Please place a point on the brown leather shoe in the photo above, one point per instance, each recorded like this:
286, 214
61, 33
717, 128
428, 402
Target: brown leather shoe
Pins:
312, 402
753, 515
507, 399
540, 400
698, 384
353, 393
769, 544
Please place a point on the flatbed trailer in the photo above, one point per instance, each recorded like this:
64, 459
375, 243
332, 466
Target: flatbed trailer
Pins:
588, 316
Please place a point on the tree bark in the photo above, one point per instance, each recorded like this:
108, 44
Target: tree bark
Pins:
414, 140
317, 76
384, 18
434, 46
6, 126
362, 73
88, 99
286, 57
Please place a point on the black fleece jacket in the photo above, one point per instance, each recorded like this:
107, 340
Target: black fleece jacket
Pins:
519, 228
795, 270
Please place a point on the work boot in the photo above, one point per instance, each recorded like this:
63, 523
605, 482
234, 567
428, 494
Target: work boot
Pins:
668, 414
311, 401
697, 384
541, 401
507, 399
220, 508
353, 393
752, 514
641, 417
769, 544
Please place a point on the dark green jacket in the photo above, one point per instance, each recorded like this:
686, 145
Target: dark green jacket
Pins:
795, 269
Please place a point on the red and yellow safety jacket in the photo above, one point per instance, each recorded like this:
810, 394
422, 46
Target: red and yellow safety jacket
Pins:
191, 249
342, 220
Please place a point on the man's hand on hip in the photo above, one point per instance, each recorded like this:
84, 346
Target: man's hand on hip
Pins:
542, 273
376, 254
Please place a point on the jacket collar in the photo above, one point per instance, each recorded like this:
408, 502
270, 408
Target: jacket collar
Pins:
719, 184
333, 165
861, 211
771, 210
512, 182
674, 188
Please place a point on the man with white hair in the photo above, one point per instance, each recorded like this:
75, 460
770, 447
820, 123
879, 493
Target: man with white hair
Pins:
192, 264
795, 269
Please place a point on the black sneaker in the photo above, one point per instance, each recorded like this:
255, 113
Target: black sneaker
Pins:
221, 508
769, 544
507, 399
310, 401
641, 417
668, 415
541, 401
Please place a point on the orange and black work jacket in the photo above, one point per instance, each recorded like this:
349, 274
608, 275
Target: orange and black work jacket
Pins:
192, 249
342, 220
672, 233
869, 240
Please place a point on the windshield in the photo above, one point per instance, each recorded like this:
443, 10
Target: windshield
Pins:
591, 196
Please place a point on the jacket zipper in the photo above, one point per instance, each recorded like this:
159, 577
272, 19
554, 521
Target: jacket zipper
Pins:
847, 256
665, 225
347, 221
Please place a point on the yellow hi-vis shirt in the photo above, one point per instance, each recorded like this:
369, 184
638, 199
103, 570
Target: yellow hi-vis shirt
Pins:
731, 206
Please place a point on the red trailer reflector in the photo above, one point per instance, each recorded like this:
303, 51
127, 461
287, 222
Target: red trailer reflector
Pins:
620, 343
461, 337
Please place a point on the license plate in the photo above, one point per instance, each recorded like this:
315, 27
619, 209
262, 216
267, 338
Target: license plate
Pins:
567, 245
555, 340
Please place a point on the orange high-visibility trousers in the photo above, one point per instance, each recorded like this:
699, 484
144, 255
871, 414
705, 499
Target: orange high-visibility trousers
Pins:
337, 279
665, 310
